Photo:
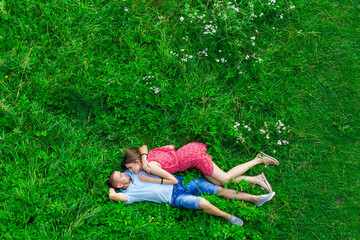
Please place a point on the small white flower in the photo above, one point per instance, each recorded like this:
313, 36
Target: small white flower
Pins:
273, 27
281, 16
246, 126
249, 129
161, 17
267, 136
291, 7
219, 50
279, 142
126, 9
1, 138
253, 43
236, 124
262, 131
217, 60
285, 142
261, 14
182, 18
181, 50
247, 57
253, 38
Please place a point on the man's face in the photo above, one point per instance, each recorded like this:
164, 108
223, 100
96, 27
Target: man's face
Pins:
122, 178
134, 167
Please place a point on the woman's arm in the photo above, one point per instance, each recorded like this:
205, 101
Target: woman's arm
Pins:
168, 178
144, 162
170, 146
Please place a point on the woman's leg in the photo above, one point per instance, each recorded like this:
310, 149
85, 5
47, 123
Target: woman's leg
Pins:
221, 176
218, 177
259, 180
233, 194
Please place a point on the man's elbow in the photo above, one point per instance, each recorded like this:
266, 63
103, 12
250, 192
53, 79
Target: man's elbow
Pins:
113, 197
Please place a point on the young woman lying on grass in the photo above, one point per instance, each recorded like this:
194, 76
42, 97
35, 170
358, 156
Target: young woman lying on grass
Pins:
164, 161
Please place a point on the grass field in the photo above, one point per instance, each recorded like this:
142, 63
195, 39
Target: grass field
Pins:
80, 81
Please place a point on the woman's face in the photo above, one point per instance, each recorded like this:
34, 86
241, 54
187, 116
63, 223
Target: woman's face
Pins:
134, 167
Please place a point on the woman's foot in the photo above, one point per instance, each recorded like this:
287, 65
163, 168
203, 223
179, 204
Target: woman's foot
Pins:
267, 159
263, 183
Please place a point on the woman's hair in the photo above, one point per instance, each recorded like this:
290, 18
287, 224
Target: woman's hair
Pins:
131, 155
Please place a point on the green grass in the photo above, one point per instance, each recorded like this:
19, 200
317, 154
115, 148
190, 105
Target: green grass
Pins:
80, 81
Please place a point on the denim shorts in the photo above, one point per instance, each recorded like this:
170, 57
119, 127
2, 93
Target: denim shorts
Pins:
183, 194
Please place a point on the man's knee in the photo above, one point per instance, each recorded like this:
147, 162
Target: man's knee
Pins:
204, 204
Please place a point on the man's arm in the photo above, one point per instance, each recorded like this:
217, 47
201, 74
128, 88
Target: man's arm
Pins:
113, 195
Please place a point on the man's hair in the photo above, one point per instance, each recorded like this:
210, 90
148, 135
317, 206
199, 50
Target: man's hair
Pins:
112, 181
131, 155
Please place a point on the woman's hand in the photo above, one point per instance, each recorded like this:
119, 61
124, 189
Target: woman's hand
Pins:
146, 178
146, 167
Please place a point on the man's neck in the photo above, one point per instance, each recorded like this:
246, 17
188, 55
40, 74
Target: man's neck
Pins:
127, 185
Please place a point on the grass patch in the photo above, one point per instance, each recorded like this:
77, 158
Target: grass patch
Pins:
80, 81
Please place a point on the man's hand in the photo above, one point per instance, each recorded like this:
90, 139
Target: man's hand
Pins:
113, 195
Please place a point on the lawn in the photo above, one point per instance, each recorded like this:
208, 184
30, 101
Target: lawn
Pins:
81, 81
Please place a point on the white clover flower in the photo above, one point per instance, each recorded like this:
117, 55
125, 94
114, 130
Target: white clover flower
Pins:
156, 90
249, 129
253, 43
246, 126
217, 60
182, 18
279, 123
279, 142
281, 16
291, 7
253, 38
261, 14
267, 136
262, 131
181, 50
161, 17
1, 138
126, 9
236, 124
285, 142
247, 57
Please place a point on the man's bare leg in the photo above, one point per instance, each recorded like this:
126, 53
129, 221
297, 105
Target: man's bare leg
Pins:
207, 207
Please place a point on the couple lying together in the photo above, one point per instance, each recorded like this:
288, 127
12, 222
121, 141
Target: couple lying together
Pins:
149, 178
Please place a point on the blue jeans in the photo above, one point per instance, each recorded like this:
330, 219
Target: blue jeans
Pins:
183, 194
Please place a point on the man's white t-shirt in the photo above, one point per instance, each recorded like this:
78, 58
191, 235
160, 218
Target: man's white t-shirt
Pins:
146, 191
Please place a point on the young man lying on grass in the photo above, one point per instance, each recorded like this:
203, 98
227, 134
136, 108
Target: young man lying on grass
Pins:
177, 195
